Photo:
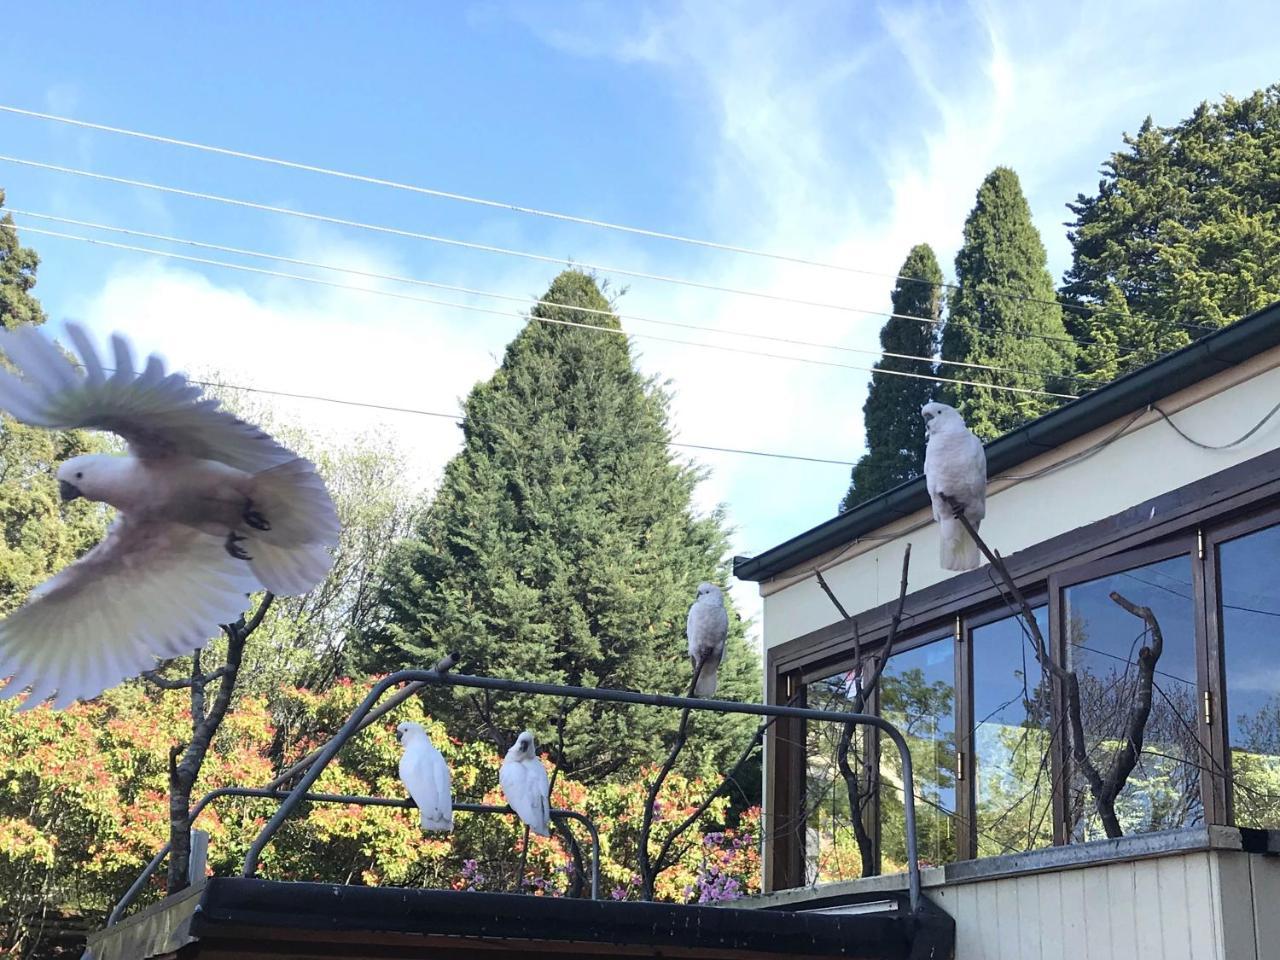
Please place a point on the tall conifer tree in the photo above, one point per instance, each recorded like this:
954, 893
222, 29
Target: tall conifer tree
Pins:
1004, 313
1182, 236
891, 415
563, 546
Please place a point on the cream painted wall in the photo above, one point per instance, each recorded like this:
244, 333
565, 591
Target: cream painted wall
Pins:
1147, 460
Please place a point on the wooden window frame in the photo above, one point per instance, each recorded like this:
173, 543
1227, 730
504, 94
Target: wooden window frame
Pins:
1197, 517
1216, 734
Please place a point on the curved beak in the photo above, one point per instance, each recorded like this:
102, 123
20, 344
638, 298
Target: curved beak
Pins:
399, 735
68, 491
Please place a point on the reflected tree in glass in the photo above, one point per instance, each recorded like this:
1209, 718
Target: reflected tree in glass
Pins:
917, 695
831, 847
1250, 612
1103, 641
1012, 731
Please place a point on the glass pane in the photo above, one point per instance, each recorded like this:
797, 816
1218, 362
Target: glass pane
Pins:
831, 846
917, 695
1012, 717
1251, 637
1103, 641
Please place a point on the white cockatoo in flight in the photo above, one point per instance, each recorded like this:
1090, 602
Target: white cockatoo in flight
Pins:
426, 776
956, 465
210, 510
524, 783
707, 629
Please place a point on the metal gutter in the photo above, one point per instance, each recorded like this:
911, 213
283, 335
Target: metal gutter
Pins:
1197, 361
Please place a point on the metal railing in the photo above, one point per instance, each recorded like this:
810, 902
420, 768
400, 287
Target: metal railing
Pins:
132, 893
353, 724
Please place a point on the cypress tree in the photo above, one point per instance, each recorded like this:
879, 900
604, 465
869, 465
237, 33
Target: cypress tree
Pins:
1004, 313
41, 533
1183, 235
563, 547
891, 414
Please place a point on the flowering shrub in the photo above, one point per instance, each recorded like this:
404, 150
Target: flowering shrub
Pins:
83, 805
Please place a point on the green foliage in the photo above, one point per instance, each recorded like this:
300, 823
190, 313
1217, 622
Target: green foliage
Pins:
562, 546
1004, 313
41, 533
891, 415
83, 806
1184, 229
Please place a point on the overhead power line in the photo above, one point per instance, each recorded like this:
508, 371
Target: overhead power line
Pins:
460, 418
416, 281
487, 248
505, 313
1086, 309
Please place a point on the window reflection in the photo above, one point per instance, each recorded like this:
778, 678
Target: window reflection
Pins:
1250, 609
1103, 641
917, 695
1013, 775
831, 847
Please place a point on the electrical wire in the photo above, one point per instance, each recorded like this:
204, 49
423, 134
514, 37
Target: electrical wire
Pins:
561, 261
504, 313
239, 251
459, 418
1219, 446
1084, 309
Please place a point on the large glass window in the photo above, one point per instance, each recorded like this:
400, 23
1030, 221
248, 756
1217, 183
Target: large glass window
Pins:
1103, 641
1250, 612
1012, 720
917, 695
831, 844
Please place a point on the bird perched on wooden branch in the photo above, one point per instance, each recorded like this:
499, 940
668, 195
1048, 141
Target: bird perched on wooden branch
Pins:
955, 465
707, 629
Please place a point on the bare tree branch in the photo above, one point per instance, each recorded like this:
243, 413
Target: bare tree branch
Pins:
647, 874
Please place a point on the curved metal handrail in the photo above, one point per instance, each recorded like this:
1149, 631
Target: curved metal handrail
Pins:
352, 725
132, 893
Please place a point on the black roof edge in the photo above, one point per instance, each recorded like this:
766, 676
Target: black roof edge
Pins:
1211, 354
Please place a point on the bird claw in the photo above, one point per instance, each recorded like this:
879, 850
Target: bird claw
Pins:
234, 548
254, 519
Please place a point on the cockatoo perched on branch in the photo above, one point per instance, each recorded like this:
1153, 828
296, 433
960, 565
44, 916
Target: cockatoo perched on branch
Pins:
211, 510
955, 465
524, 783
426, 775
707, 629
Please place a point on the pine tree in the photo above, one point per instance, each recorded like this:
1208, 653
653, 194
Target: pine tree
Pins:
1183, 235
40, 532
562, 546
891, 415
1004, 313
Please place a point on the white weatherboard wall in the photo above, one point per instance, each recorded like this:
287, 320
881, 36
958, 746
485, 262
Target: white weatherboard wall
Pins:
1149, 459
1201, 905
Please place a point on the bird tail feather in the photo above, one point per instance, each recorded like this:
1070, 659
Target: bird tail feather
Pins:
958, 550
292, 555
708, 678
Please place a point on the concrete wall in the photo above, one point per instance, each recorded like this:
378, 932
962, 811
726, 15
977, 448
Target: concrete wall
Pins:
1147, 460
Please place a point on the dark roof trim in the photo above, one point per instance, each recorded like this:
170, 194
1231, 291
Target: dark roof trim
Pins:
1197, 361
224, 916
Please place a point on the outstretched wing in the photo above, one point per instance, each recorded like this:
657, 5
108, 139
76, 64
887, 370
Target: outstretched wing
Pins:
148, 591
158, 415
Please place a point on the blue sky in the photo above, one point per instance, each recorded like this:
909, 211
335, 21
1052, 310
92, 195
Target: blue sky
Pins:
842, 132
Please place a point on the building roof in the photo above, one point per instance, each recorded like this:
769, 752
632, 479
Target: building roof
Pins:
225, 917
1197, 361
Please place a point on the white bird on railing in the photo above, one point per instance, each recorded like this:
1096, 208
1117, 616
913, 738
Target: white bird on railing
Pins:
426, 776
524, 783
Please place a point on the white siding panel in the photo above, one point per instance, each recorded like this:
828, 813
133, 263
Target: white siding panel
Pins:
1017, 516
1265, 876
1051, 917
1235, 900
